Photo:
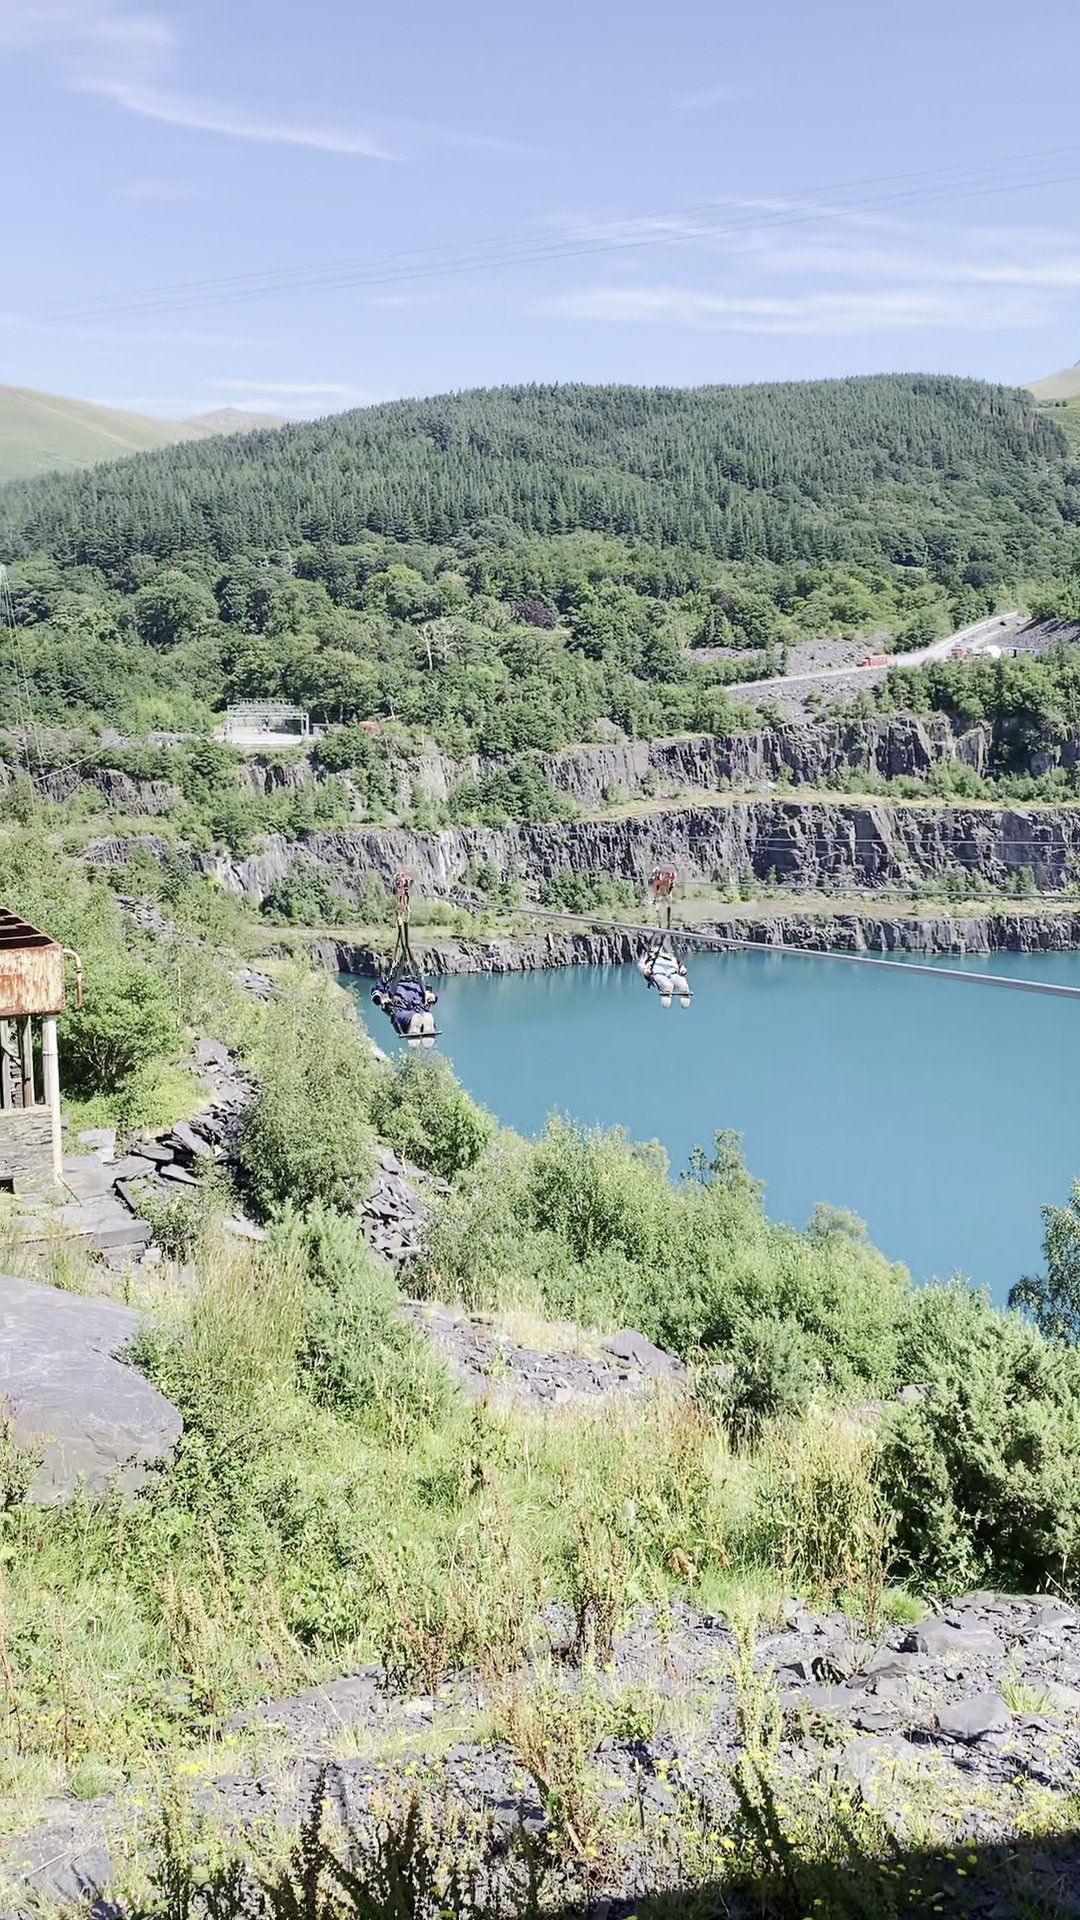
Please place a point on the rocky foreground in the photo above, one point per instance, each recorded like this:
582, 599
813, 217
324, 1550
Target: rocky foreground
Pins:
961, 1731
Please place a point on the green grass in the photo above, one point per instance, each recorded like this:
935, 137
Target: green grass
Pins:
44, 433
1065, 413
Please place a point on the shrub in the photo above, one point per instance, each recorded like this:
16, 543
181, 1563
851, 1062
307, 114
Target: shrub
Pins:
1053, 1298
127, 1020
982, 1472
772, 1376
420, 1109
307, 1135
357, 1355
587, 892
305, 898
519, 793
586, 1225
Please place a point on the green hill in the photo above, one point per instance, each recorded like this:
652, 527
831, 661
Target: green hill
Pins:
43, 432
894, 468
515, 569
46, 433
1058, 386
1059, 397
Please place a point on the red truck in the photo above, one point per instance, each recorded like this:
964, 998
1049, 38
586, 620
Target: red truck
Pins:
875, 660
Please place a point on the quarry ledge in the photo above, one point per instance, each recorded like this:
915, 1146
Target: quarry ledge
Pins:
846, 930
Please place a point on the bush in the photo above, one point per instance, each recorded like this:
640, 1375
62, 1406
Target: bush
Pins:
586, 892
519, 793
307, 1135
772, 1377
419, 1108
587, 1226
982, 1472
127, 1021
357, 1355
305, 898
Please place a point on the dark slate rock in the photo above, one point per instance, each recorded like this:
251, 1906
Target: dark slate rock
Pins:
867, 1757
318, 1711
890, 1666
94, 1419
211, 1053
1053, 1621
637, 1351
190, 1141
973, 1719
825, 1699
243, 1229
72, 1875
943, 1641
179, 1176
100, 1141
153, 1150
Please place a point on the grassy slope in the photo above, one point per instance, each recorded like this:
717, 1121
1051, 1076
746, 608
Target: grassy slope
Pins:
1059, 397
1058, 386
1066, 415
42, 432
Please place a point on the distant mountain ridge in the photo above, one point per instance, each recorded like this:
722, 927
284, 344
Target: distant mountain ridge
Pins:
49, 433
1058, 386
233, 420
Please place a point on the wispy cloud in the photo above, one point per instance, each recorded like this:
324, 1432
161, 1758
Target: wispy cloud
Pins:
106, 48
791, 265
809, 313
203, 116
309, 387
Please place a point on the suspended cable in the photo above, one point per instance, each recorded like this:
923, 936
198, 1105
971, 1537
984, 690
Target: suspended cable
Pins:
730, 943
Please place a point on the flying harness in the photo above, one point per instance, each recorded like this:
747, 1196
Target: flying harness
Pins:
661, 887
403, 982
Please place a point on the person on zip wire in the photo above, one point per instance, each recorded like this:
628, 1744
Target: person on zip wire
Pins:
407, 1003
660, 964
663, 970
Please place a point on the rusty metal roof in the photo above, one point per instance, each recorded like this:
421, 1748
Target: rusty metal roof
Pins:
17, 933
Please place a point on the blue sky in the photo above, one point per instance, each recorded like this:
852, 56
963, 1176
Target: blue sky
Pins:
306, 207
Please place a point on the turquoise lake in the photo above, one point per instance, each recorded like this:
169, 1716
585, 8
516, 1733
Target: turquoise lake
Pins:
944, 1114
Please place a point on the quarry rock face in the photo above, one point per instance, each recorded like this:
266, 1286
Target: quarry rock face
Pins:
89, 1416
811, 846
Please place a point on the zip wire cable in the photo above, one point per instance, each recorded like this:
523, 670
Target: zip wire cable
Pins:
732, 944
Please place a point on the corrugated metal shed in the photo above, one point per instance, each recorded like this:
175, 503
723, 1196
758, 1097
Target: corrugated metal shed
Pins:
31, 969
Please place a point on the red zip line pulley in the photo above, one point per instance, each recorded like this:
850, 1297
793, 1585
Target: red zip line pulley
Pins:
661, 887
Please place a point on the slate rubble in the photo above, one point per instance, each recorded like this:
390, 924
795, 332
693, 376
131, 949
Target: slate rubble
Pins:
393, 1214
490, 1365
877, 1716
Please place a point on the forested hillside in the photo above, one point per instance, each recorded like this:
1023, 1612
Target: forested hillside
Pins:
525, 568
906, 469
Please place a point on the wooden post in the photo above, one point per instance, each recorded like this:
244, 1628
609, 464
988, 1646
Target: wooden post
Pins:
26, 1048
7, 1074
50, 1067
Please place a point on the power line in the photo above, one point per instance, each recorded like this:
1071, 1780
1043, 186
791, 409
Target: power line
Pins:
498, 252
